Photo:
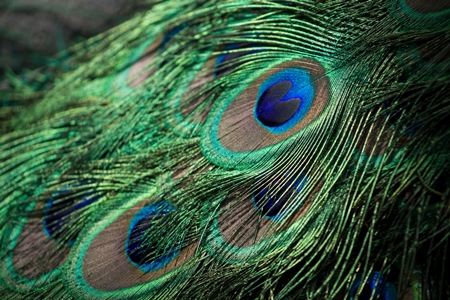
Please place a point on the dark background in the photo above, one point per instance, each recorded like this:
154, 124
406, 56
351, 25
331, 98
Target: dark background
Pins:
32, 31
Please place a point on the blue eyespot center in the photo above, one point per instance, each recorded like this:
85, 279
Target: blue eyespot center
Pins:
166, 41
142, 248
376, 287
272, 110
169, 35
62, 211
273, 200
284, 99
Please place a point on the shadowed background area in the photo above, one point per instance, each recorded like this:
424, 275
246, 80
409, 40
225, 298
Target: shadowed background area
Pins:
31, 31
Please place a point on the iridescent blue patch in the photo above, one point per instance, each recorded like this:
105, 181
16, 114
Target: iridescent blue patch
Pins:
376, 287
169, 35
144, 251
284, 99
61, 212
273, 200
166, 39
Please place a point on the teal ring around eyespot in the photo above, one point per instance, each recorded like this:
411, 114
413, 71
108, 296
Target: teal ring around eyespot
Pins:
218, 248
10, 277
217, 154
151, 210
390, 159
221, 250
73, 274
410, 18
179, 123
119, 81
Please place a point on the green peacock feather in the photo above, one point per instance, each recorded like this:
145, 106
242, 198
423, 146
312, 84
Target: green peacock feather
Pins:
235, 149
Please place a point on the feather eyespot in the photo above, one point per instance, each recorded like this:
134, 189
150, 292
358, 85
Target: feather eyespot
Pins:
249, 123
61, 211
135, 260
40, 243
252, 220
272, 200
284, 99
145, 253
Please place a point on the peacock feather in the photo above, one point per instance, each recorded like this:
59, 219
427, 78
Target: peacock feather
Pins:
235, 149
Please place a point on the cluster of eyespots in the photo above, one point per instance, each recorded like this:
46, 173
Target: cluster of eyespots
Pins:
142, 248
62, 212
376, 287
277, 198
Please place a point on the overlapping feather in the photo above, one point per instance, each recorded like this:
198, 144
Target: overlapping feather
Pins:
362, 188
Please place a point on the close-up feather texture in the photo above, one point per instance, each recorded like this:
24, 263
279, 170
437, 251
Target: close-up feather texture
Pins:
233, 149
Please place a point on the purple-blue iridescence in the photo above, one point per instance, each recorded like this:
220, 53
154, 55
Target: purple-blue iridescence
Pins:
142, 248
166, 39
61, 213
271, 200
376, 285
284, 99
272, 110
